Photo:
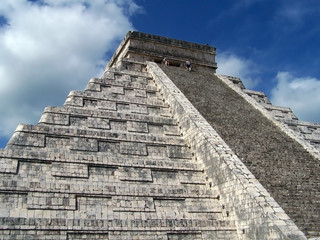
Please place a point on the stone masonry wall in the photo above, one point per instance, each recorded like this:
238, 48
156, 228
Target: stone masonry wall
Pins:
282, 166
109, 164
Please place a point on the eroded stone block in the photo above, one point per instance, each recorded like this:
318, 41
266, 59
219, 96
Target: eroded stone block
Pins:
43, 200
84, 144
27, 139
137, 126
60, 169
133, 204
133, 148
134, 174
8, 165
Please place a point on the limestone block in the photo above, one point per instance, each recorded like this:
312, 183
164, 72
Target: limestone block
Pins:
122, 107
166, 177
165, 111
137, 126
118, 125
43, 200
94, 207
60, 169
203, 205
117, 90
90, 103
58, 142
134, 174
187, 236
32, 234
172, 209
108, 75
137, 108
154, 111
192, 177
152, 94
133, 204
108, 105
12, 205
92, 86
27, 139
53, 118
84, 144
140, 93
171, 130
74, 101
156, 150
178, 152
228, 235
123, 77
156, 129
99, 123
141, 80
89, 236
132, 148
137, 235
78, 121
110, 147
8, 165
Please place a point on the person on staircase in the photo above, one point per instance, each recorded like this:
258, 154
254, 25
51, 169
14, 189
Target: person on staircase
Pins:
166, 62
188, 65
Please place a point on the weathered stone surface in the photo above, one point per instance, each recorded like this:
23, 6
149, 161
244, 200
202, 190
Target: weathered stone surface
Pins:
279, 163
130, 158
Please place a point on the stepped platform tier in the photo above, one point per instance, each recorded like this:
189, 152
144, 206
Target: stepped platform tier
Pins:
150, 151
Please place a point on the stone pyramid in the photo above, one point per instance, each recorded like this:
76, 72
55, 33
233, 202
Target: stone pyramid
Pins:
130, 157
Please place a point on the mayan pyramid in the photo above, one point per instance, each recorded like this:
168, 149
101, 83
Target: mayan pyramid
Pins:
150, 151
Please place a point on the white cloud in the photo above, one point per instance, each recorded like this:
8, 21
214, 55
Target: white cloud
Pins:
232, 65
302, 95
50, 47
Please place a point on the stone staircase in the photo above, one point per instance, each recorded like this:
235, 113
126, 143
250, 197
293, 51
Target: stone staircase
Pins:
307, 131
110, 164
286, 165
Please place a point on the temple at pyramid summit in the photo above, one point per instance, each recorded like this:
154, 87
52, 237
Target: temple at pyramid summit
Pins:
152, 150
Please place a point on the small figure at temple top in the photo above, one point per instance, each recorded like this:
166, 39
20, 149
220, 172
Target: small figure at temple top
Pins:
188, 66
166, 62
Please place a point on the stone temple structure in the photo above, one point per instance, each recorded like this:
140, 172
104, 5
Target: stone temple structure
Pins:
150, 151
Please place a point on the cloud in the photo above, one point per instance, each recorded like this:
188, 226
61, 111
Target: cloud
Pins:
301, 94
294, 10
49, 47
232, 65
296, 14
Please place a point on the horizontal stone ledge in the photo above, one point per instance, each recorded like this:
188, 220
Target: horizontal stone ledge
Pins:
130, 85
155, 191
62, 132
121, 225
100, 96
111, 72
111, 115
105, 160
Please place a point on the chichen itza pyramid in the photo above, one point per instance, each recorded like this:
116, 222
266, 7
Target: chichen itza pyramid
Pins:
150, 151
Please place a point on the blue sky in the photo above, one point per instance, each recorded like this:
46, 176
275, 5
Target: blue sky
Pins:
50, 47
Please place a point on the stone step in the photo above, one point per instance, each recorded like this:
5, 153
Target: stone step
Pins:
73, 111
123, 122
79, 98
64, 224
87, 139
9, 160
141, 83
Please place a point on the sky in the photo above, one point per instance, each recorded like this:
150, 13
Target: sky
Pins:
50, 47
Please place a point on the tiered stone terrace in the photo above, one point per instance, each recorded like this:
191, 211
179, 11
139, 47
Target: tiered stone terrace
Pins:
131, 158
110, 164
